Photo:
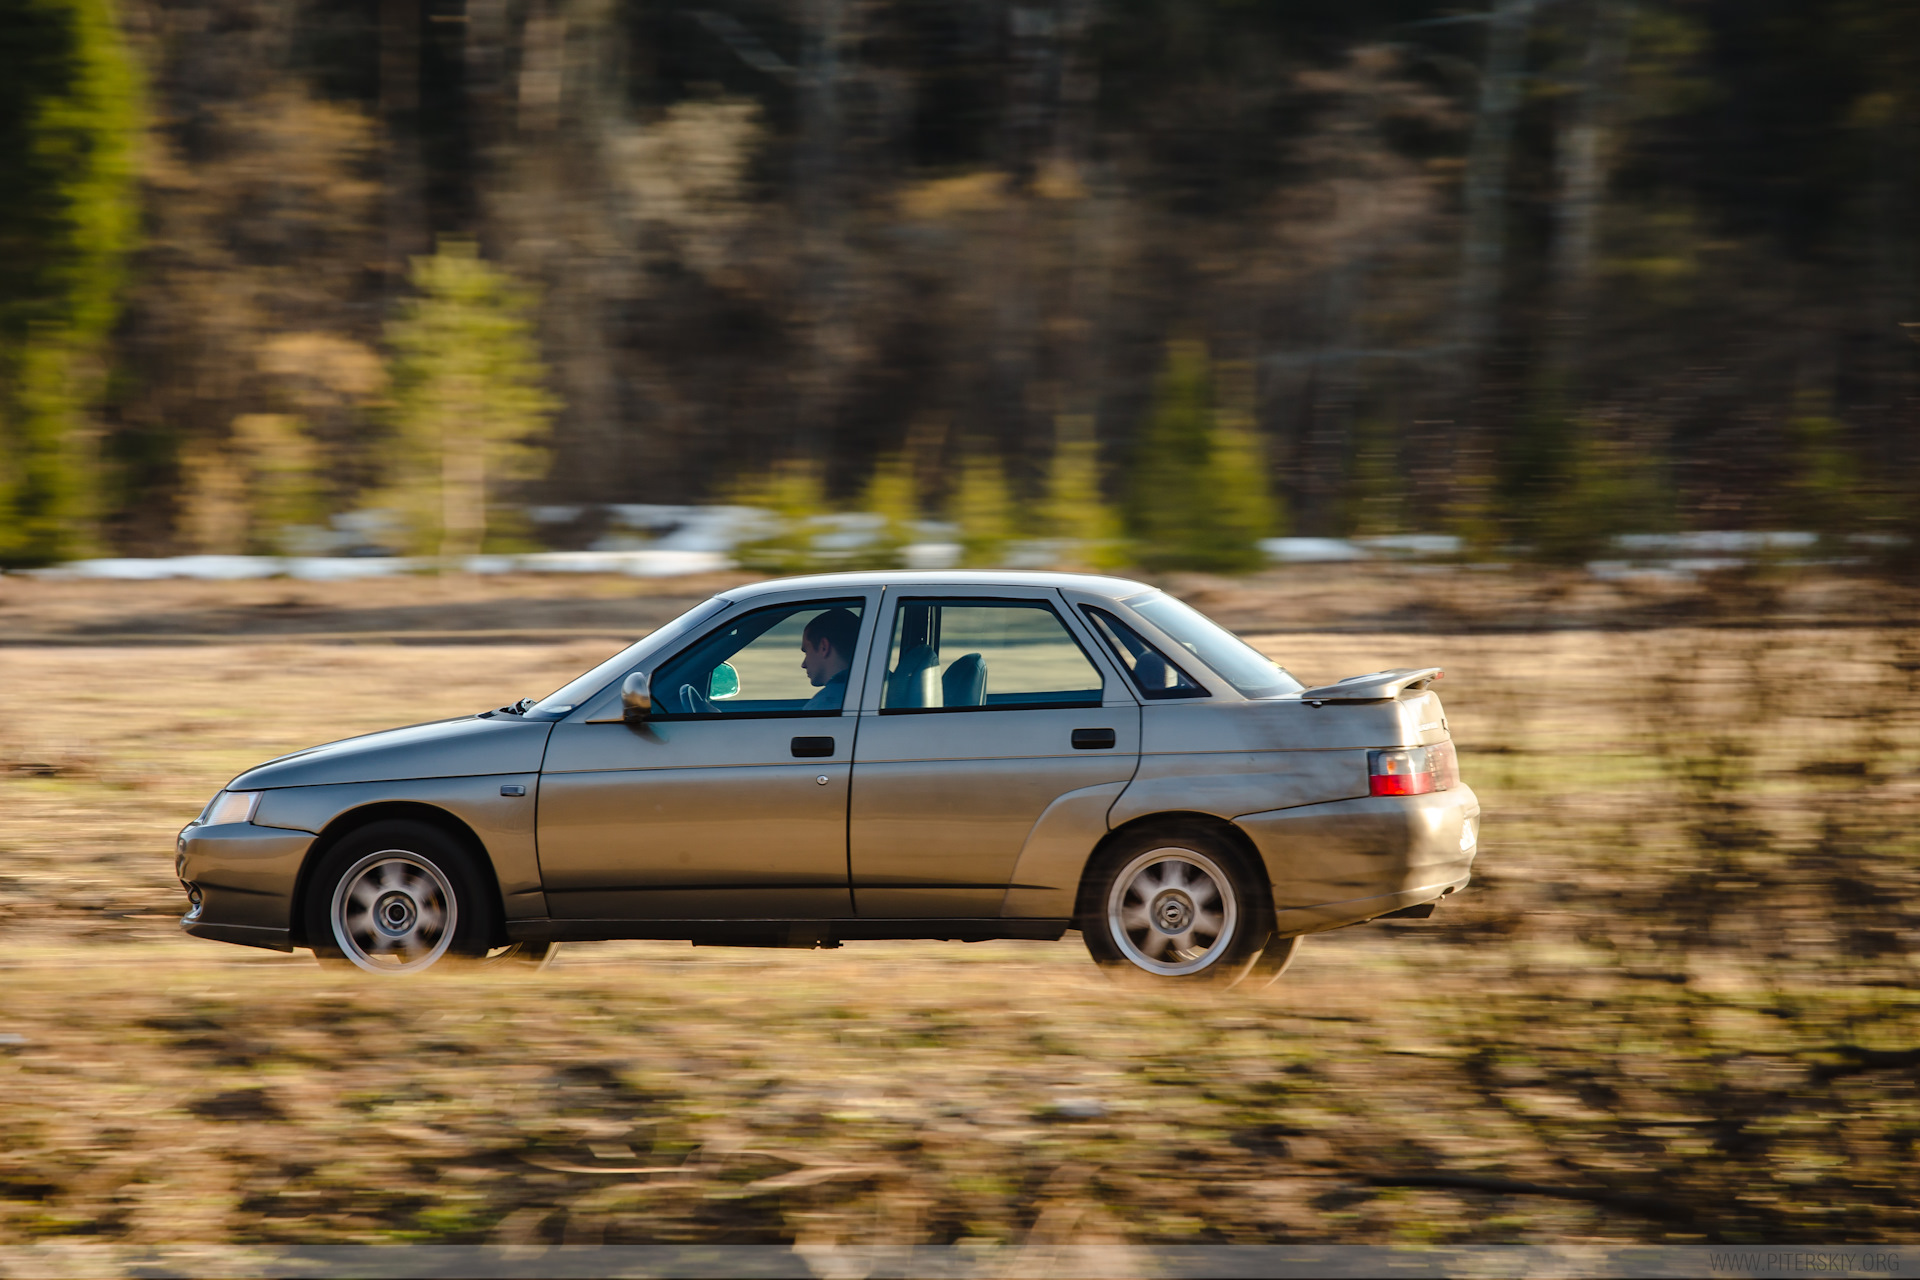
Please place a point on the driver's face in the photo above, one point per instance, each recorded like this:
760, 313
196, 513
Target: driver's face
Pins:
821, 661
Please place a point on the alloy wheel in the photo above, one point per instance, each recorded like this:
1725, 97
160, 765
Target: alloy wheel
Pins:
394, 912
1172, 911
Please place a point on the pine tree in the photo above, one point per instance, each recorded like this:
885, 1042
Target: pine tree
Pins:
285, 479
1200, 494
891, 495
1087, 529
791, 499
469, 402
69, 100
983, 508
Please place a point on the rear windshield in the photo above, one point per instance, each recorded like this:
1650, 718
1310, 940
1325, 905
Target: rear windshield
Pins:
1227, 655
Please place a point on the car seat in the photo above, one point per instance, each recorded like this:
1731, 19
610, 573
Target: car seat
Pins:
914, 682
964, 684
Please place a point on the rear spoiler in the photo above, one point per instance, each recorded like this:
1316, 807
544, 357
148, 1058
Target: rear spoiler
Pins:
1379, 686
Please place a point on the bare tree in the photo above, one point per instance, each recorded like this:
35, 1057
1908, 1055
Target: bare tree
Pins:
818, 181
557, 217
1581, 161
406, 184
1484, 193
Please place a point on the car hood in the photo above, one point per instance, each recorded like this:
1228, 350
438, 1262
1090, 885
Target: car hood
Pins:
463, 748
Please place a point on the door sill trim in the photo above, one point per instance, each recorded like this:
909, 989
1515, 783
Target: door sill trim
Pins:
785, 933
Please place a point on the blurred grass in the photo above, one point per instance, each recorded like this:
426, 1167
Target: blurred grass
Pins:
1678, 1003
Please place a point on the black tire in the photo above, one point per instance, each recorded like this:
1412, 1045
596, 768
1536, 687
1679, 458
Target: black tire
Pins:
397, 897
1175, 904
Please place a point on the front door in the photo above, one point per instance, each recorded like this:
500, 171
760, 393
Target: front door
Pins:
988, 710
730, 802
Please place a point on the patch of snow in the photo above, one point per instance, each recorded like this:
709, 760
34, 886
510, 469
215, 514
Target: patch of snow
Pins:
1709, 542
932, 555
1312, 550
1414, 544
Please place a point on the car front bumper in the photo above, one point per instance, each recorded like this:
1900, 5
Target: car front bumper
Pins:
1346, 861
244, 877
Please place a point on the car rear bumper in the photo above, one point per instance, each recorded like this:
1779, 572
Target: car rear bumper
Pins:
245, 876
1346, 861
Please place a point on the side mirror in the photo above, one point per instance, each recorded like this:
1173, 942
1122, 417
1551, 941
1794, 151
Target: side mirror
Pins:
724, 683
636, 697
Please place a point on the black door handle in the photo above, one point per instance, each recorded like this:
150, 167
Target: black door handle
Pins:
804, 747
1093, 739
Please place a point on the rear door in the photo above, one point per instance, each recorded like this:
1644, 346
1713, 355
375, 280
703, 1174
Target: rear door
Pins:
731, 801
981, 709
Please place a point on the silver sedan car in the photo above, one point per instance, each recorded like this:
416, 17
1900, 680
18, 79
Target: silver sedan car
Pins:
810, 761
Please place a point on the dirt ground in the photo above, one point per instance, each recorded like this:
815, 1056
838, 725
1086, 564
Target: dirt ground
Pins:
1677, 1004
1342, 598
487, 609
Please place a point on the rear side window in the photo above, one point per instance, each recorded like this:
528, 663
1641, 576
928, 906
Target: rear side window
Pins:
985, 655
1154, 674
1225, 654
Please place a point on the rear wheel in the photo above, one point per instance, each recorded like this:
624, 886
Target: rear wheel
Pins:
1175, 905
397, 897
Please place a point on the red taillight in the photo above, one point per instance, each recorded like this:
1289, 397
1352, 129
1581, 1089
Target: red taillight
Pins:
1412, 771
1398, 773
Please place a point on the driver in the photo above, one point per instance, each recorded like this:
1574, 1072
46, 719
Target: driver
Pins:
826, 648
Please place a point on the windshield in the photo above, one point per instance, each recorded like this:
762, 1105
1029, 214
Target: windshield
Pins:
580, 688
1230, 657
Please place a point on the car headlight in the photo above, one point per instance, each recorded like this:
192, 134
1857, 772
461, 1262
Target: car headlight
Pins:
231, 806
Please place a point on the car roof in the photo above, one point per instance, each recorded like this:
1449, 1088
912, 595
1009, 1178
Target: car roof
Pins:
946, 579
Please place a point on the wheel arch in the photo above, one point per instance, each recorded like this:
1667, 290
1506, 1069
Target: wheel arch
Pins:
1174, 821
351, 820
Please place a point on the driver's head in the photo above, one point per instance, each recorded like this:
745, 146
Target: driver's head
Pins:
826, 646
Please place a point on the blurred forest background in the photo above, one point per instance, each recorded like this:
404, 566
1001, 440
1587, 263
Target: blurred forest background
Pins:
1145, 279
1533, 273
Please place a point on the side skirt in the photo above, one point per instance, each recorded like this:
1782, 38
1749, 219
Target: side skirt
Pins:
804, 934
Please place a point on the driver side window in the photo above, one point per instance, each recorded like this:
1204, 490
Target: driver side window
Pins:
788, 659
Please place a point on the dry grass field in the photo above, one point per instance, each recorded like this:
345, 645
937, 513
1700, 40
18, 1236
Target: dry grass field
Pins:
1679, 1002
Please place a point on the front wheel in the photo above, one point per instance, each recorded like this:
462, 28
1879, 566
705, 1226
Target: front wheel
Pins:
1175, 905
396, 897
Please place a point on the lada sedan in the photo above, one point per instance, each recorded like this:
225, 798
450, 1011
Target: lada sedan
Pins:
817, 760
